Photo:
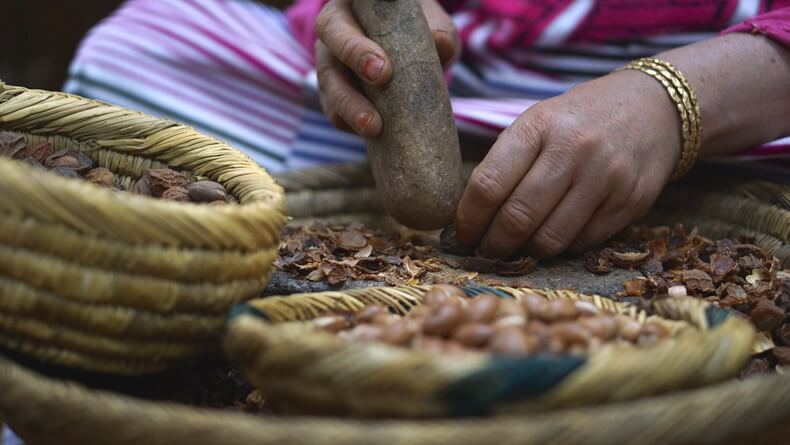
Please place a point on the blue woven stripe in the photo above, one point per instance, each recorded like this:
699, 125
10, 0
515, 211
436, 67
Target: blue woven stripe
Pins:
506, 379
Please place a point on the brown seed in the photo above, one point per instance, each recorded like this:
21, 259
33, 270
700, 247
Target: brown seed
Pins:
783, 334
562, 309
473, 334
654, 329
366, 333
12, 144
508, 307
482, 308
628, 327
442, 292
40, 152
33, 162
767, 316
66, 172
142, 186
162, 179
602, 326
75, 160
368, 313
535, 305
331, 323
571, 333
400, 332
100, 176
176, 194
384, 318
512, 342
419, 312
206, 191
510, 320
782, 354
587, 309
444, 319
537, 327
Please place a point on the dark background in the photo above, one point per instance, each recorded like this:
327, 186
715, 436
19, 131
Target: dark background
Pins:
40, 37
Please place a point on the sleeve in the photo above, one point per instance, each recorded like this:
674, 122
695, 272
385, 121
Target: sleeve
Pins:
774, 25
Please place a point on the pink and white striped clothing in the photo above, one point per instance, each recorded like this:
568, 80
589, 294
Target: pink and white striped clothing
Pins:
245, 73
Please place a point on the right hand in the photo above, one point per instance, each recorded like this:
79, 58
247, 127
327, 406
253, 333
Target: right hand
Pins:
345, 56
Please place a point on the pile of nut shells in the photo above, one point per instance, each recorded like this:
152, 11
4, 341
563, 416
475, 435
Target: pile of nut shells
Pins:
162, 183
732, 274
450, 322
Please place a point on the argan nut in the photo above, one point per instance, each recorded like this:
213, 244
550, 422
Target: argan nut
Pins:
366, 333
100, 176
142, 186
783, 334
628, 327
677, 292
473, 334
535, 305
571, 333
419, 312
331, 323
400, 332
482, 308
561, 309
510, 320
440, 293
537, 327
508, 307
40, 152
767, 316
368, 313
444, 319
512, 342
602, 326
162, 179
216, 203
655, 330
586, 308
176, 194
72, 159
66, 172
33, 162
432, 345
384, 318
782, 354
206, 191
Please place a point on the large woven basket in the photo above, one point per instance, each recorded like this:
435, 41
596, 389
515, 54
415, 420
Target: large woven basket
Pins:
307, 370
116, 282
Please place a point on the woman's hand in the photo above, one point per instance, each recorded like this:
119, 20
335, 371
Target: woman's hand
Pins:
345, 56
576, 169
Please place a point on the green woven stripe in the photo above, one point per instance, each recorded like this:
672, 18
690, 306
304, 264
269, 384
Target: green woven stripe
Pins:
717, 315
246, 309
474, 291
505, 379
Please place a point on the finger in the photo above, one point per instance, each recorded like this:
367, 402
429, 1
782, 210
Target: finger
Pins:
529, 205
612, 217
337, 28
342, 102
496, 176
566, 222
443, 31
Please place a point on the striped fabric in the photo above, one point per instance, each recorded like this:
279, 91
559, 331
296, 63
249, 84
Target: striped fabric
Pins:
245, 73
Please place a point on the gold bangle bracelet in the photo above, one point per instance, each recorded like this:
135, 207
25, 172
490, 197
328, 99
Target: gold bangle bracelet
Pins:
682, 95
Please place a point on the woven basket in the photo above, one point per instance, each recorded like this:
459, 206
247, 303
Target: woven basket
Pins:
116, 282
308, 370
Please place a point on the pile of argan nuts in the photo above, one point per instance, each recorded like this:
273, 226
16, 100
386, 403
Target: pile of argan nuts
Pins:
448, 321
161, 183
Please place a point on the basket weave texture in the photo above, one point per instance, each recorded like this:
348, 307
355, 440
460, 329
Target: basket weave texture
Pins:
308, 370
116, 282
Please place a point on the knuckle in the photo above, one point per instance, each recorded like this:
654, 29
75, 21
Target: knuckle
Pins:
323, 20
349, 51
484, 184
549, 241
517, 217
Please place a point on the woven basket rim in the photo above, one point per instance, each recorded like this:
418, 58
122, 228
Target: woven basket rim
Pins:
261, 199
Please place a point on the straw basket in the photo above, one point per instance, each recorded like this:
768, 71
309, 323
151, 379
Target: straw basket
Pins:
116, 282
308, 370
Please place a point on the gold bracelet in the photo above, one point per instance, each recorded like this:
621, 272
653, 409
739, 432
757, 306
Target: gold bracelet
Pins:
682, 95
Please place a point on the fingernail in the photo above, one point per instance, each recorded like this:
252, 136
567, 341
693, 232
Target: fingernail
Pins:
372, 67
363, 120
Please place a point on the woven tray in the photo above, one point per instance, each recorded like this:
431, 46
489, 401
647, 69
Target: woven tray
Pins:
117, 282
308, 370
